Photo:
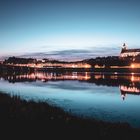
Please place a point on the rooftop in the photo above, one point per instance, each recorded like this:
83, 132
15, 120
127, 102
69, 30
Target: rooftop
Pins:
125, 50
131, 50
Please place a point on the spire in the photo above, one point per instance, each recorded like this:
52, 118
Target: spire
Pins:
123, 97
124, 46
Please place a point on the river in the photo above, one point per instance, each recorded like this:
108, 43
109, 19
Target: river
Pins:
102, 96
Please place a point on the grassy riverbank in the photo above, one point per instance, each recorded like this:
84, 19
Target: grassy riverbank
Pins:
30, 118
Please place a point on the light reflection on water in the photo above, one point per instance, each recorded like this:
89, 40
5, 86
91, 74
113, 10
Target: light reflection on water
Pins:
109, 97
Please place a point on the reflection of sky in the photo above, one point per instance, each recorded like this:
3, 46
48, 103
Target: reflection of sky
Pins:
52, 25
99, 102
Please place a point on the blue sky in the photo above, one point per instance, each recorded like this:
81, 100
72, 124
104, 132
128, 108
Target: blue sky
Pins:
28, 26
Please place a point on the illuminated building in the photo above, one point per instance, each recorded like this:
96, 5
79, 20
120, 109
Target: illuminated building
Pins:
129, 90
129, 52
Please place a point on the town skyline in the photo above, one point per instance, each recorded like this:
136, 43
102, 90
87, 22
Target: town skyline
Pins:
46, 26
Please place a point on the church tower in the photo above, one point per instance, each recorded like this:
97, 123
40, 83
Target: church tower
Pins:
124, 48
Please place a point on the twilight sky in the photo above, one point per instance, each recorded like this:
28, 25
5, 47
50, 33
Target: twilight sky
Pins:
31, 26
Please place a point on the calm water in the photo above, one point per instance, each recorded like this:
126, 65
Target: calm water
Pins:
107, 97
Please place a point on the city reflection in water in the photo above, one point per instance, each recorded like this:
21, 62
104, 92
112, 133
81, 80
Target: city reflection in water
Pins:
44, 77
128, 84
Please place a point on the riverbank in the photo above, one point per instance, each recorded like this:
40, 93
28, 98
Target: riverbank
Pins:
24, 69
18, 116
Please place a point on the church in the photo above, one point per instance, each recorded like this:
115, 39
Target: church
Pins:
125, 52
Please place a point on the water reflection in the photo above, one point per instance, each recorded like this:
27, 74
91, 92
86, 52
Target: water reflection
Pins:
128, 84
44, 77
99, 95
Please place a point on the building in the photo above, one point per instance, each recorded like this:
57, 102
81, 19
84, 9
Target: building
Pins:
129, 90
125, 52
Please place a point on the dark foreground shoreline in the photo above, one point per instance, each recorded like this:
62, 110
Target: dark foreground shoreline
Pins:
21, 118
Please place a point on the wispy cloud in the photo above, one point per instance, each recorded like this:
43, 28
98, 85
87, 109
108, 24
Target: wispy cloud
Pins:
77, 54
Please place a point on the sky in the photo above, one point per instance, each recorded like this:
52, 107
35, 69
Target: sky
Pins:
43, 26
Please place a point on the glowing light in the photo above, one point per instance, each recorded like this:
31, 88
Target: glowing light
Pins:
87, 66
132, 78
132, 66
73, 66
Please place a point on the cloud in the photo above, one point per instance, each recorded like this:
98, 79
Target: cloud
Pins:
77, 54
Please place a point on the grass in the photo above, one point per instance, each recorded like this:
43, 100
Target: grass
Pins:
29, 118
